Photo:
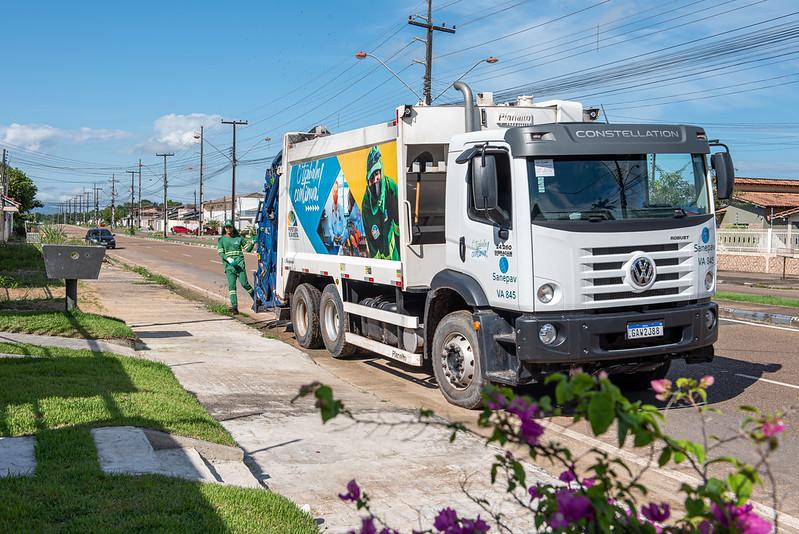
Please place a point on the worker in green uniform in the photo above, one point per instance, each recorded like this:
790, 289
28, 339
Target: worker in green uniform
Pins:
379, 210
231, 248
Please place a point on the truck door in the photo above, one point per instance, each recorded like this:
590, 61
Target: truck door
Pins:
481, 243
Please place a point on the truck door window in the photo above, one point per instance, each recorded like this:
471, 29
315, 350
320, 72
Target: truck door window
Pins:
426, 192
503, 189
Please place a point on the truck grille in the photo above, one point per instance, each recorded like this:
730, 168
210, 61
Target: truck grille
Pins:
602, 276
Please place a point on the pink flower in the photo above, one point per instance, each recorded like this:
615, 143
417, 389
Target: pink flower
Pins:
353, 492
567, 476
772, 428
661, 386
588, 483
446, 519
706, 381
571, 508
534, 492
655, 513
741, 518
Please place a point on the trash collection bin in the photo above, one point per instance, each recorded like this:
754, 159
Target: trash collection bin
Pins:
72, 263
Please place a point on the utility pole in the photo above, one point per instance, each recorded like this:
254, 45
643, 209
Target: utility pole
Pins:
165, 155
202, 142
233, 161
97, 204
428, 61
113, 200
87, 211
132, 198
3, 193
138, 214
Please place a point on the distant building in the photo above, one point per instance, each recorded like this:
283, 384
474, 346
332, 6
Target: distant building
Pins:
10, 207
246, 209
759, 203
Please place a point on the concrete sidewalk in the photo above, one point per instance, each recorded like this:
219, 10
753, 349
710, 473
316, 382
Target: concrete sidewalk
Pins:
247, 381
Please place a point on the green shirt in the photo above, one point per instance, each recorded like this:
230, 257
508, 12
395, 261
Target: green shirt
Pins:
381, 221
233, 247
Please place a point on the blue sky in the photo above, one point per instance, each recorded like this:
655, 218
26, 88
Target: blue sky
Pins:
90, 87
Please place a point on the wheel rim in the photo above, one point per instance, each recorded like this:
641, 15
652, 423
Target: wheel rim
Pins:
301, 318
331, 320
457, 361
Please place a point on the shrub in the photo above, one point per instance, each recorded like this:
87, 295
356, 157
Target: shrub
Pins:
609, 495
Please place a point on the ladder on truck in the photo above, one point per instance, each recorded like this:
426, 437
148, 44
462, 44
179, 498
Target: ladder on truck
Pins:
266, 221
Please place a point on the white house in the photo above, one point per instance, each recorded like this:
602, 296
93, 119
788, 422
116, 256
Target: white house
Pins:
10, 207
246, 209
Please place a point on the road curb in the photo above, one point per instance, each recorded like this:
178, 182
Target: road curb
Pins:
780, 319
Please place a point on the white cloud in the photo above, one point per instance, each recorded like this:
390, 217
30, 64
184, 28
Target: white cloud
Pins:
33, 136
175, 131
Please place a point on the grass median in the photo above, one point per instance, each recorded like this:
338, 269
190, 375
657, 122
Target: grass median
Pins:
69, 324
769, 300
58, 395
21, 266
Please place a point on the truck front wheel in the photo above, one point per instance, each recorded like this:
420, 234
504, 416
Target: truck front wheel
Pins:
333, 323
456, 360
305, 316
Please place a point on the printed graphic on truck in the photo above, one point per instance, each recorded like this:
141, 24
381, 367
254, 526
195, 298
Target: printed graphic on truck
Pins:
347, 204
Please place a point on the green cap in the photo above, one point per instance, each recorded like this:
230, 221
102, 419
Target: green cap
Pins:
229, 222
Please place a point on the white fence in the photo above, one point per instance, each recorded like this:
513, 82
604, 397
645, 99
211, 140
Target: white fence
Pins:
770, 241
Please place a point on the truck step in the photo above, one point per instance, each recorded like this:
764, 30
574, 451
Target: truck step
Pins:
506, 339
506, 377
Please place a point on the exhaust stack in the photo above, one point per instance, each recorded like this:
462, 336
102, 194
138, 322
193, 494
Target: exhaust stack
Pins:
468, 104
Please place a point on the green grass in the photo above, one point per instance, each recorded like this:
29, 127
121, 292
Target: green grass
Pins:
59, 396
219, 309
22, 265
152, 277
770, 300
71, 324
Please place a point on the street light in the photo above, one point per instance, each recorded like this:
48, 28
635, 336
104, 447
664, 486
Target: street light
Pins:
364, 55
490, 60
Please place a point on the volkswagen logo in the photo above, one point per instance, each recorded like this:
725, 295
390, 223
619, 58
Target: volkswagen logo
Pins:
642, 272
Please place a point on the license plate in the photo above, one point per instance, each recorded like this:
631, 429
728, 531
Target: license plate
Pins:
649, 329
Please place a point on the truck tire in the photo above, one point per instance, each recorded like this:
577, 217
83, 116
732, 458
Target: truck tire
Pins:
305, 316
456, 360
333, 323
641, 381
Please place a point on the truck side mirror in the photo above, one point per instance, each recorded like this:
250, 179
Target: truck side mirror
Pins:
725, 174
485, 197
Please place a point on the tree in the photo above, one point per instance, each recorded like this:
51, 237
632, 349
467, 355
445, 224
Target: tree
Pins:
22, 190
670, 188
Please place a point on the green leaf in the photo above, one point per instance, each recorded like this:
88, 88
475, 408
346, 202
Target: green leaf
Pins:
664, 457
694, 507
519, 474
601, 412
622, 428
563, 392
715, 487
741, 485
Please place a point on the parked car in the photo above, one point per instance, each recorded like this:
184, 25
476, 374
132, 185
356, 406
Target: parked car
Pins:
182, 230
101, 236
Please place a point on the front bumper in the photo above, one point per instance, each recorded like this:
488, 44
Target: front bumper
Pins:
592, 338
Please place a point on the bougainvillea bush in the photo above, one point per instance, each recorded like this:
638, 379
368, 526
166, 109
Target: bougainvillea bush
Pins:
606, 495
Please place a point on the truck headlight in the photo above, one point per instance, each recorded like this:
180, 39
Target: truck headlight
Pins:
548, 333
545, 293
709, 280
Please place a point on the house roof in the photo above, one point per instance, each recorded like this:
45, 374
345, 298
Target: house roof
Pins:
783, 182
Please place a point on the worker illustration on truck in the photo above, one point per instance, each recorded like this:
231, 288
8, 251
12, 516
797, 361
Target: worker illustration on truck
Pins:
231, 248
379, 210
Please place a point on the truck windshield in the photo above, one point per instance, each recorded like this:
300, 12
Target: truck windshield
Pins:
635, 186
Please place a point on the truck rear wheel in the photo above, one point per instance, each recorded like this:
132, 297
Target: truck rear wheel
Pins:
456, 360
305, 316
333, 323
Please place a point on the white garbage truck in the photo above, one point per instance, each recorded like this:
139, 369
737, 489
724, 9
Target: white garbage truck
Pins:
498, 243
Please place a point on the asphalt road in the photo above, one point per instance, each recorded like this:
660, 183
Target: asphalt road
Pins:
755, 365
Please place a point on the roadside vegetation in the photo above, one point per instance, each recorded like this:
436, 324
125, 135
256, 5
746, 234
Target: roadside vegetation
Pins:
152, 277
22, 265
59, 395
770, 300
62, 323
219, 309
